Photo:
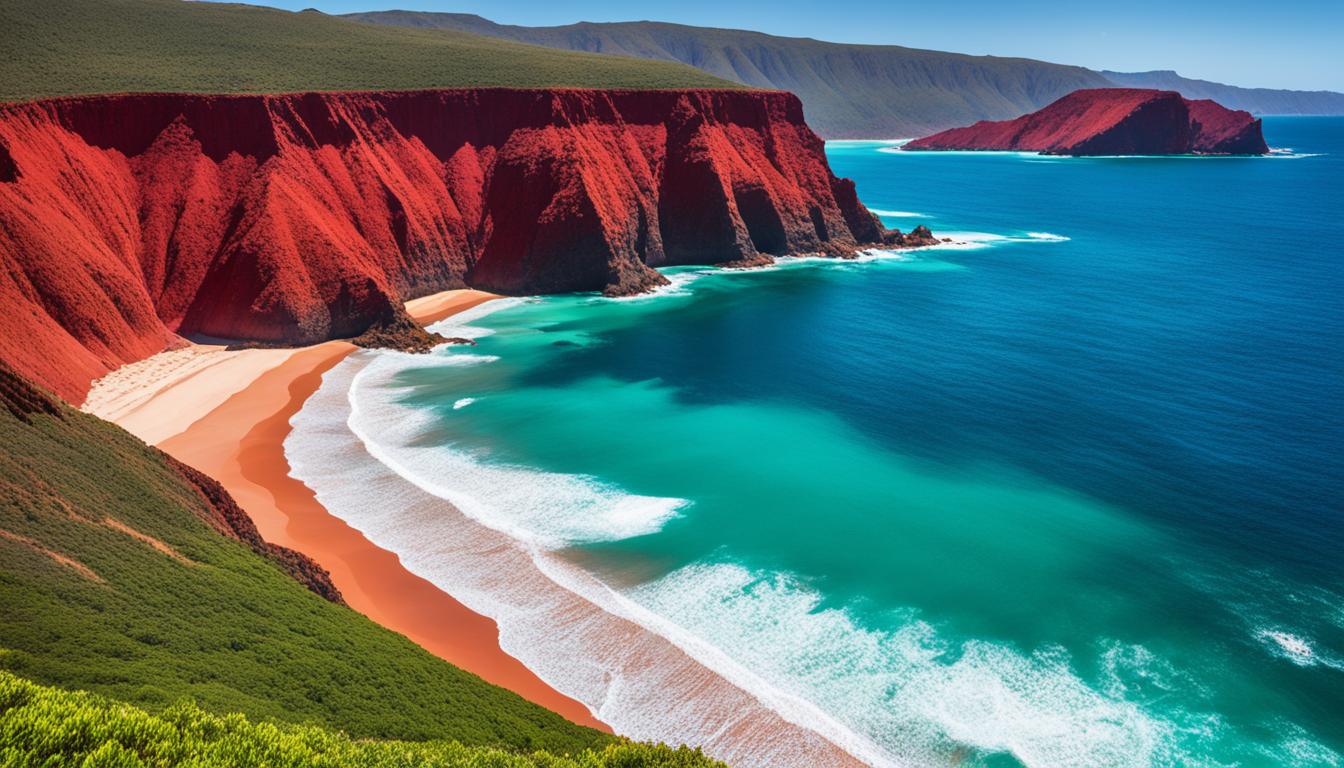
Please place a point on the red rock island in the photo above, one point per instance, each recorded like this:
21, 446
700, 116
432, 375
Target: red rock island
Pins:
125, 220
1113, 121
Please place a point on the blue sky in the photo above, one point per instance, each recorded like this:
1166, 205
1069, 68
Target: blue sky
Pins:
1286, 44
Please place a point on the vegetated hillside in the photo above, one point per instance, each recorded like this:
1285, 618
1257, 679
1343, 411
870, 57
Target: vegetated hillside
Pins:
1260, 101
115, 577
45, 726
848, 91
64, 47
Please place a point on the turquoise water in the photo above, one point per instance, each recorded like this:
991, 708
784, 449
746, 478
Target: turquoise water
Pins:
1065, 493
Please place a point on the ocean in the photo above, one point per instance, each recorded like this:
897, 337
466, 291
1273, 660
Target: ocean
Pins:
1068, 491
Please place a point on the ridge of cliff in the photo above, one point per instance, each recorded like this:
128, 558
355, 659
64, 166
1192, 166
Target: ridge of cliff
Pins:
129, 220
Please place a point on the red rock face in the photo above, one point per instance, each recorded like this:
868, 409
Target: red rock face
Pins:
126, 220
1222, 131
1113, 121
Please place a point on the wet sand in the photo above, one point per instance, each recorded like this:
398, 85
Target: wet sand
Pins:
237, 405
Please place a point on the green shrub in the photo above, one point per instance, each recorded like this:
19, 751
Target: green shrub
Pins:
223, 625
47, 727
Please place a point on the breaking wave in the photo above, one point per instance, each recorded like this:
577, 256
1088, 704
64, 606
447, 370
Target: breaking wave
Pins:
750, 665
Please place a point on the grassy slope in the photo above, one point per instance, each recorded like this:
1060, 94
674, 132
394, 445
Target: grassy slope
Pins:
227, 628
1261, 101
48, 727
64, 47
856, 91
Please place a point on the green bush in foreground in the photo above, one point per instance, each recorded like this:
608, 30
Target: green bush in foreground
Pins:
84, 605
54, 728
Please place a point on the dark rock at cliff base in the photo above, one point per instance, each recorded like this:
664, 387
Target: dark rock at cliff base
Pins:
918, 237
1113, 121
291, 219
226, 517
401, 333
751, 262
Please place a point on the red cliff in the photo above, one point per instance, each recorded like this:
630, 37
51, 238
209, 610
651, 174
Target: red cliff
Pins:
1113, 121
126, 221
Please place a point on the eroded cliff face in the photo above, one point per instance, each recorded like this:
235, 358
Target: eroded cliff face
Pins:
1113, 121
127, 220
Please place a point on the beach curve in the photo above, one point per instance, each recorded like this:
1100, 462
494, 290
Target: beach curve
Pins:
236, 405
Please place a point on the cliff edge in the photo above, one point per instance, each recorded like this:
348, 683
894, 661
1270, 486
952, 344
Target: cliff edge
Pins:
128, 220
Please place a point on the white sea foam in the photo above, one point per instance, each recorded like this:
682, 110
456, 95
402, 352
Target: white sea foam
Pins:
895, 148
639, 659
1297, 748
582, 638
899, 214
678, 284
875, 254
953, 152
969, 241
867, 142
962, 241
1281, 616
460, 324
1290, 646
462, 402
1296, 648
1286, 153
916, 694
545, 508
833, 262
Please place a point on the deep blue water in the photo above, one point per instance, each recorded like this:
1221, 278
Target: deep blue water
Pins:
1070, 495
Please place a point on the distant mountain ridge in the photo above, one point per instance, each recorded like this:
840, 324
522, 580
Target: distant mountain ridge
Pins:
848, 91
76, 47
1260, 101
865, 91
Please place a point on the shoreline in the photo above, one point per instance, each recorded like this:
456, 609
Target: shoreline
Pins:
237, 423
237, 418
644, 676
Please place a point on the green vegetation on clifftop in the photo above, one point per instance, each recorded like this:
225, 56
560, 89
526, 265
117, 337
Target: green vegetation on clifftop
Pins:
848, 91
42, 726
112, 580
70, 47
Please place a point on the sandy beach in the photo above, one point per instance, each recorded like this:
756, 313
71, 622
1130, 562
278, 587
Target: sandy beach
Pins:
227, 412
